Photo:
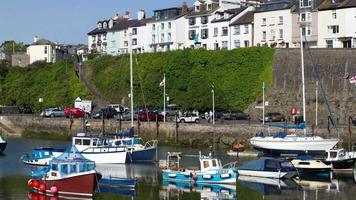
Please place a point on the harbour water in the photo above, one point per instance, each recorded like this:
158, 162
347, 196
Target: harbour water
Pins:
14, 176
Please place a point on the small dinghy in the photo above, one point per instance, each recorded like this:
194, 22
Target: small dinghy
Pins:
306, 165
211, 171
3, 144
268, 168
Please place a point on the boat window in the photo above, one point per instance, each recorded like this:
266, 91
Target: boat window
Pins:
287, 164
46, 153
81, 167
206, 164
73, 168
54, 167
333, 154
214, 163
78, 141
272, 164
304, 163
86, 142
118, 143
64, 169
95, 141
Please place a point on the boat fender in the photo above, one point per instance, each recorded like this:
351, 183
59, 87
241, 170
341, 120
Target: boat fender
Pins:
225, 175
30, 183
207, 176
54, 189
36, 183
43, 188
195, 177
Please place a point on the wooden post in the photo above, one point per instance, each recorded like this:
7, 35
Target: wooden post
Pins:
120, 122
102, 124
138, 126
177, 126
157, 126
350, 121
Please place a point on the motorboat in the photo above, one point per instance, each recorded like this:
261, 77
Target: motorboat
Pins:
306, 165
211, 172
137, 149
268, 168
99, 150
3, 144
340, 159
69, 174
283, 143
41, 156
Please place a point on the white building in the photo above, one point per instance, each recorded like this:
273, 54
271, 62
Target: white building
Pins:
97, 42
337, 24
140, 36
44, 50
272, 24
241, 30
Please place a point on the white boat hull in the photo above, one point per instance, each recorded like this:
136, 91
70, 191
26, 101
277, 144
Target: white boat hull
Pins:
118, 157
266, 174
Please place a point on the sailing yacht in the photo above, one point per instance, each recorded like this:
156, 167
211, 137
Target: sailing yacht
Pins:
296, 143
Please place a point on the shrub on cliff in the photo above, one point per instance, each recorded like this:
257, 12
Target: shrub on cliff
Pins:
237, 76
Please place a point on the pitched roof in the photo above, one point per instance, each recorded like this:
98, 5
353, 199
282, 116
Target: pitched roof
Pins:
275, 5
43, 42
122, 24
141, 22
339, 4
201, 12
97, 31
247, 18
233, 13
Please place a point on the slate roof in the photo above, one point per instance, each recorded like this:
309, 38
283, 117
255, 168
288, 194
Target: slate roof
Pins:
247, 18
97, 31
275, 5
141, 22
43, 42
233, 13
122, 24
328, 5
201, 13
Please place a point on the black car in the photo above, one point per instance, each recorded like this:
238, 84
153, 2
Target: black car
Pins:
273, 117
108, 112
238, 115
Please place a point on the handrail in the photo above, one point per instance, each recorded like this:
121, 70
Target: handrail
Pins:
230, 165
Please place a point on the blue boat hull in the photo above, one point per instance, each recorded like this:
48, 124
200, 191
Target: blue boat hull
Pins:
118, 182
216, 178
142, 155
121, 191
3, 146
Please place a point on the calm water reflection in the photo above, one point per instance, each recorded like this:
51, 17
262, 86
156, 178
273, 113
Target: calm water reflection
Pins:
14, 176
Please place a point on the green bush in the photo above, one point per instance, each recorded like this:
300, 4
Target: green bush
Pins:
237, 76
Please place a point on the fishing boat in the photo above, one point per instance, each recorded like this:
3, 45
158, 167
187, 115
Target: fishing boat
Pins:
99, 150
41, 156
69, 174
137, 149
211, 172
306, 165
340, 159
268, 168
3, 144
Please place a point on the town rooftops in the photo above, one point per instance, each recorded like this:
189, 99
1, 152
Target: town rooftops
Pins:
97, 31
167, 14
122, 24
275, 5
141, 22
43, 42
337, 4
247, 18
232, 13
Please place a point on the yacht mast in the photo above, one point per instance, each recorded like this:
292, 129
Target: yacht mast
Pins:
131, 81
302, 24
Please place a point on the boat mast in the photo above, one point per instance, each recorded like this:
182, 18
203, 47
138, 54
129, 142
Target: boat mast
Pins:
302, 65
131, 81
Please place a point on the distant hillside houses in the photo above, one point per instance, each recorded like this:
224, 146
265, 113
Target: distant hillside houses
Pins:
229, 24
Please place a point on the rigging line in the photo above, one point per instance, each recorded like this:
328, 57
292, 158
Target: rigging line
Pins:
317, 76
141, 87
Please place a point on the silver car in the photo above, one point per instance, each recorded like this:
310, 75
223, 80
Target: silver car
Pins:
52, 112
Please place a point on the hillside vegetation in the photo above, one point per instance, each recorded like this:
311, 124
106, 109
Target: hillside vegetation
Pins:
237, 76
57, 84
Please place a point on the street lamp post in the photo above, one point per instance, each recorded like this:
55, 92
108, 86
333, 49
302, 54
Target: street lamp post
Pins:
213, 96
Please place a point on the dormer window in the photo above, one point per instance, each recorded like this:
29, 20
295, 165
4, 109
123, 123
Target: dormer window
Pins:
100, 26
197, 8
210, 6
111, 23
105, 25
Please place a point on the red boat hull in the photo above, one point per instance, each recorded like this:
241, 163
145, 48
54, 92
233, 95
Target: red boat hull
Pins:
81, 185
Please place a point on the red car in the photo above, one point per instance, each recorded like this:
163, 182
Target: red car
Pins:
151, 116
74, 112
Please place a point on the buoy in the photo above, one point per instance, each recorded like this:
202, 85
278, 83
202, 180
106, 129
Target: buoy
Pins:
195, 177
41, 197
43, 188
54, 189
30, 183
36, 183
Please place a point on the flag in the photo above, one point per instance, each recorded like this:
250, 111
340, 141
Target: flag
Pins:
163, 82
353, 80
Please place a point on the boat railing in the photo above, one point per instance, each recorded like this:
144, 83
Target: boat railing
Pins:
230, 165
151, 143
104, 149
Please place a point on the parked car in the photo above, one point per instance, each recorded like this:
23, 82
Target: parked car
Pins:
52, 112
232, 115
171, 110
126, 116
188, 118
145, 116
74, 112
107, 112
274, 117
25, 110
119, 108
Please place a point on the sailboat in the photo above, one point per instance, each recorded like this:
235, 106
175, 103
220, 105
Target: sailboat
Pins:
296, 143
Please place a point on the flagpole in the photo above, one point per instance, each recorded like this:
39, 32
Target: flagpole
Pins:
164, 98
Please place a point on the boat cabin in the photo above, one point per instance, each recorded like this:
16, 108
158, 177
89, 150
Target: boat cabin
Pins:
208, 163
127, 141
60, 169
83, 142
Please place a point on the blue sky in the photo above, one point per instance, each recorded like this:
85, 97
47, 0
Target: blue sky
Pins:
66, 21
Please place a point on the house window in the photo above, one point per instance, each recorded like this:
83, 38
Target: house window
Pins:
169, 37
197, 8
237, 43
204, 33
247, 43
191, 34
305, 17
162, 26
134, 41
192, 21
153, 27
264, 22
216, 31
126, 43
333, 29
125, 33
305, 3
224, 31
273, 35
280, 20
280, 33
134, 31
210, 6
333, 14
45, 50
169, 25
264, 35
93, 38
204, 46
153, 38
224, 44
104, 36
162, 37
204, 19
246, 29
237, 30
306, 31
329, 44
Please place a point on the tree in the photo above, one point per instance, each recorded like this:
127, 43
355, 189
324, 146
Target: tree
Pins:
10, 47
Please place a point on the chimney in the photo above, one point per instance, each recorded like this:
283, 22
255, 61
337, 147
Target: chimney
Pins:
184, 8
35, 39
141, 14
127, 15
116, 16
